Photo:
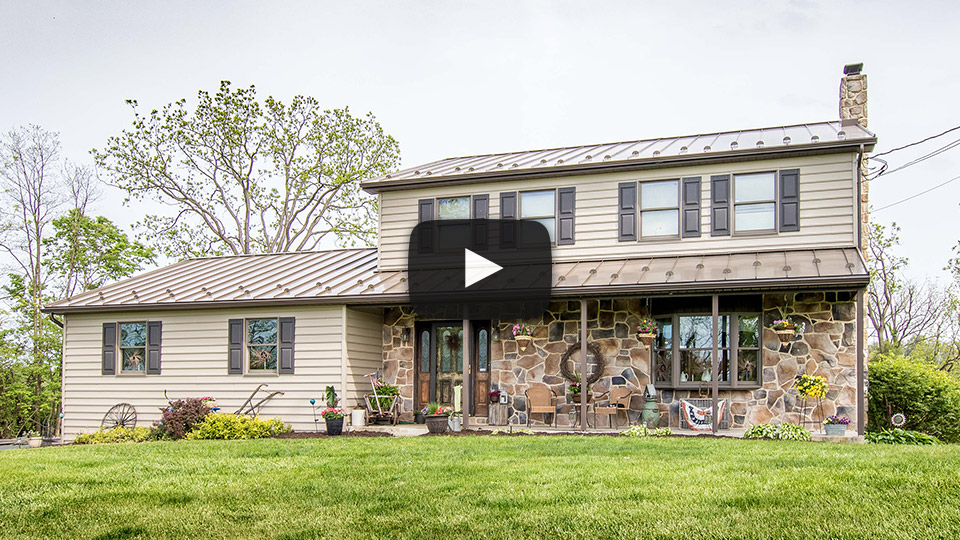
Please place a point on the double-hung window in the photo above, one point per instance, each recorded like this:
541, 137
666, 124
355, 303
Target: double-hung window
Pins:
133, 347
261, 345
659, 208
540, 206
755, 202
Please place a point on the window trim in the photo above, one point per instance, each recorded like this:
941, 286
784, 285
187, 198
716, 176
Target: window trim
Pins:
641, 210
775, 202
556, 210
247, 370
733, 338
120, 348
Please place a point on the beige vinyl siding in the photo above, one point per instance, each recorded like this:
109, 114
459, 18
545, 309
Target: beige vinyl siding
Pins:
194, 364
827, 211
364, 352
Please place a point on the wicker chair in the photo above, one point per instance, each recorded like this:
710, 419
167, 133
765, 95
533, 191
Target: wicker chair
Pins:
541, 400
617, 400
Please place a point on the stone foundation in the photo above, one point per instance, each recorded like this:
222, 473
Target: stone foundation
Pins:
827, 348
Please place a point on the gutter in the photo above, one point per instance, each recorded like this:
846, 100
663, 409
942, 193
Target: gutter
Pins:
375, 186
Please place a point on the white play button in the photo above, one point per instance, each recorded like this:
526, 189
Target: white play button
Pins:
476, 268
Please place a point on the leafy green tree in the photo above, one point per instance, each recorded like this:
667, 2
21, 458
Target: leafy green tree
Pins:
243, 176
86, 252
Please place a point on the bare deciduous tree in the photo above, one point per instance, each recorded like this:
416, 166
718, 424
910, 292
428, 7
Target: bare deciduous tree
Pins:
244, 177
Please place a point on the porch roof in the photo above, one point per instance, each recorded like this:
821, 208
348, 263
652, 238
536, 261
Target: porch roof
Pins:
350, 277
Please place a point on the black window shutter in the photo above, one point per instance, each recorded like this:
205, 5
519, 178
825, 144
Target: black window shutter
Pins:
481, 206
720, 205
566, 212
426, 210
627, 212
109, 358
691, 207
235, 346
790, 200
508, 211
287, 338
154, 338
426, 233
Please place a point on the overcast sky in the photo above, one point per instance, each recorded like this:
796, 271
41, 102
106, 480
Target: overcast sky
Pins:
456, 78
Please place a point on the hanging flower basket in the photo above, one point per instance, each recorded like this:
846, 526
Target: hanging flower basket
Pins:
646, 339
647, 331
523, 342
786, 336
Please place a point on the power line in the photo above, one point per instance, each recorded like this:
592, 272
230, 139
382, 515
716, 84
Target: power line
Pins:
917, 142
883, 169
924, 192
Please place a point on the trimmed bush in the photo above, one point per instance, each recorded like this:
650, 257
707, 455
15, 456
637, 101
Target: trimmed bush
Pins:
116, 435
644, 431
181, 417
778, 432
229, 426
900, 436
928, 397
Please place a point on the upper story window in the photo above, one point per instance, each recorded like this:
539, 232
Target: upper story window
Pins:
660, 208
453, 208
755, 202
540, 206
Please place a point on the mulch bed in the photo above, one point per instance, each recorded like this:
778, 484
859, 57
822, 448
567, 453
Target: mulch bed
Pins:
321, 435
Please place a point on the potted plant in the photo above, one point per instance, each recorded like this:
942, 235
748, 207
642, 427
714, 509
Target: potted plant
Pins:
647, 331
836, 425
494, 396
785, 330
418, 417
209, 402
576, 390
437, 417
334, 419
34, 440
524, 336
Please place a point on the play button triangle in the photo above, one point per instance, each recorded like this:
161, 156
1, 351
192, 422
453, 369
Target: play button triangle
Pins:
476, 268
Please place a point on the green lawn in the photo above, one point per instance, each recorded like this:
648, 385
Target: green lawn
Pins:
495, 487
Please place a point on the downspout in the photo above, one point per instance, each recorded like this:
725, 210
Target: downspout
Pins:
715, 379
859, 196
55, 321
861, 376
584, 393
343, 353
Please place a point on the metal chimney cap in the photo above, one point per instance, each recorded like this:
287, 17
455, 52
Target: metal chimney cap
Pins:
853, 69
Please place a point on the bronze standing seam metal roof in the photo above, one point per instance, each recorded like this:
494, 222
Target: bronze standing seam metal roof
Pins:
350, 276
817, 136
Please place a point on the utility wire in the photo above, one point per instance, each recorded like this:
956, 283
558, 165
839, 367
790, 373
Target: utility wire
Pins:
924, 192
883, 169
916, 143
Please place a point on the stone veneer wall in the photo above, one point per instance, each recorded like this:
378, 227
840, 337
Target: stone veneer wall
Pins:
826, 348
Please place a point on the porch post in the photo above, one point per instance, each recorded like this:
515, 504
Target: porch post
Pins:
861, 376
583, 365
467, 379
714, 381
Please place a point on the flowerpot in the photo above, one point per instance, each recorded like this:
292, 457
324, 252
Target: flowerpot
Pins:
34, 442
334, 426
523, 342
646, 339
835, 429
418, 418
210, 404
786, 335
438, 423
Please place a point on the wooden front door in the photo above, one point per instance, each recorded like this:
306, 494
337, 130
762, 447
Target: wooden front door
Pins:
439, 359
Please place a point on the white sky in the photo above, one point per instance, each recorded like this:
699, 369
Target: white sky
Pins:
456, 78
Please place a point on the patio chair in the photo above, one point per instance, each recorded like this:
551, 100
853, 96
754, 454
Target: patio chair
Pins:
617, 400
541, 400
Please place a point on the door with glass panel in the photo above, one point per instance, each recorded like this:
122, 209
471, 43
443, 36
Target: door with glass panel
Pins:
440, 364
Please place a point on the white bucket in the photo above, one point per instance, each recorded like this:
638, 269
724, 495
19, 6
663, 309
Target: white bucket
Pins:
358, 418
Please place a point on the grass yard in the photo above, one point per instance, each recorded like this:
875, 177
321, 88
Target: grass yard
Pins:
470, 487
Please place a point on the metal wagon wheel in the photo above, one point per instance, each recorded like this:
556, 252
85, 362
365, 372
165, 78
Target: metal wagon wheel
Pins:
120, 415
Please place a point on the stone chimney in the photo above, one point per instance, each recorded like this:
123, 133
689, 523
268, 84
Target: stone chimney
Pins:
853, 110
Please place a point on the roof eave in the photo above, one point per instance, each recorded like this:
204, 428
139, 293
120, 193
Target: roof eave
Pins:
380, 184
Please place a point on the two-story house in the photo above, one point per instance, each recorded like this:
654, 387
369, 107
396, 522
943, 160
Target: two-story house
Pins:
732, 230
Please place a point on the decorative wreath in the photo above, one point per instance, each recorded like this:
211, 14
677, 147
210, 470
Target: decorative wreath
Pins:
567, 370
